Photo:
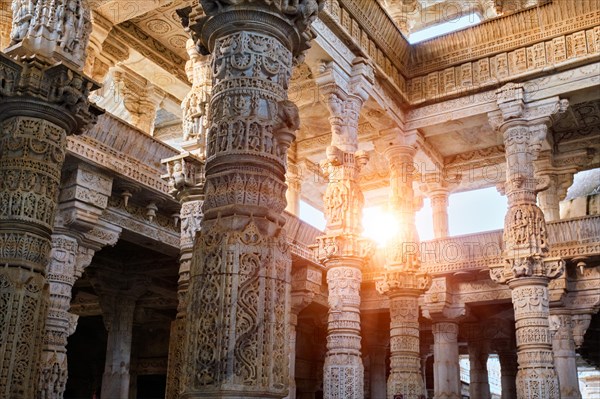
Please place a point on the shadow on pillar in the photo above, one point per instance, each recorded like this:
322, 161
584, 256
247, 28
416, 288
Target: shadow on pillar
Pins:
590, 349
310, 351
86, 351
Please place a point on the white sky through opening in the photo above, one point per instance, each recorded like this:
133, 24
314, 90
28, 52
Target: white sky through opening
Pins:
468, 212
444, 28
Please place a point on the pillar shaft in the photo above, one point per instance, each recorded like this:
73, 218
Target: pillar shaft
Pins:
403, 282
446, 368
238, 313
341, 249
191, 217
377, 369
293, 179
186, 182
344, 370
439, 207
508, 374
117, 292
565, 357
59, 322
40, 103
119, 320
526, 270
479, 386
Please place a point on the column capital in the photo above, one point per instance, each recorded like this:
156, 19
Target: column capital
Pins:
290, 23
435, 184
518, 266
335, 84
402, 283
54, 93
440, 302
513, 110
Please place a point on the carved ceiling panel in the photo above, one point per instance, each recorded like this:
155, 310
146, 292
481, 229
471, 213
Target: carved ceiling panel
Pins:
163, 24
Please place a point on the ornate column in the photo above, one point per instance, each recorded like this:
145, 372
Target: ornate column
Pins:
441, 306
377, 366
306, 284
403, 281
341, 250
527, 270
238, 325
43, 97
479, 386
293, 180
186, 182
557, 181
438, 187
446, 368
506, 350
117, 293
83, 197
565, 358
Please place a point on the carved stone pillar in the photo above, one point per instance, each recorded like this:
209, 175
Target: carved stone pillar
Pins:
479, 386
403, 281
67, 260
446, 367
306, 283
41, 101
557, 181
341, 250
117, 293
293, 180
238, 313
186, 183
195, 104
377, 369
565, 358
508, 368
438, 187
527, 270
442, 307
83, 197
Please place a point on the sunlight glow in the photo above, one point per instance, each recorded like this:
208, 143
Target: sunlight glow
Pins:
379, 225
444, 28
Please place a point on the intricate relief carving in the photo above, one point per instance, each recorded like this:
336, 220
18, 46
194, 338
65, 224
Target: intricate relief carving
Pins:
195, 104
260, 293
32, 152
186, 183
52, 28
341, 250
237, 340
22, 310
300, 14
61, 274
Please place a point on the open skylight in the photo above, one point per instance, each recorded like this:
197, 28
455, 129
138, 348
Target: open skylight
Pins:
445, 27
